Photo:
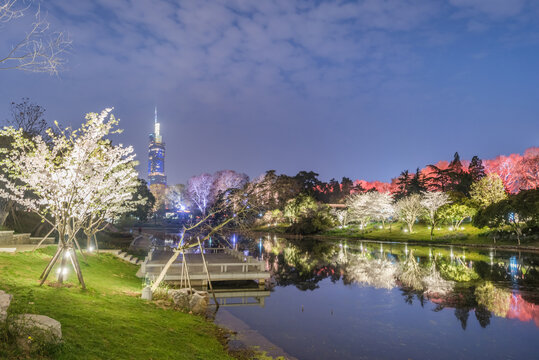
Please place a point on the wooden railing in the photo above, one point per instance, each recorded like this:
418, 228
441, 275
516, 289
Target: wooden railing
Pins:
247, 263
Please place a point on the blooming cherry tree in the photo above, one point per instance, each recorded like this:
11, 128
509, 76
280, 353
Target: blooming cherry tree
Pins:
228, 179
432, 201
77, 182
360, 208
409, 209
382, 207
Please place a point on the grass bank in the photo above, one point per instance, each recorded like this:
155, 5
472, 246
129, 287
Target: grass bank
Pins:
467, 235
109, 320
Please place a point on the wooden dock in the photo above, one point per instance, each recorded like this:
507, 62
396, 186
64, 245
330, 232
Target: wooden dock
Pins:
223, 265
241, 297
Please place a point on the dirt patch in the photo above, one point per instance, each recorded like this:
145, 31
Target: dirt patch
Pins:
58, 285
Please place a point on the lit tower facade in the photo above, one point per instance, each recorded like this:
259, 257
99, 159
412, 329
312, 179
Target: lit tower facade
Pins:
156, 164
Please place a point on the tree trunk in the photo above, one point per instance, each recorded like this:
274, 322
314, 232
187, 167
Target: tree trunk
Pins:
76, 265
51, 264
78, 247
14, 217
4, 211
44, 238
95, 243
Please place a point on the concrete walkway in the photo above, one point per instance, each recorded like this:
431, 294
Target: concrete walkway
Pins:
21, 248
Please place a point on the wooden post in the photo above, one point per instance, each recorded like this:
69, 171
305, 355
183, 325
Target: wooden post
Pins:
181, 277
76, 265
207, 272
186, 268
50, 264
78, 247
49, 267
46, 236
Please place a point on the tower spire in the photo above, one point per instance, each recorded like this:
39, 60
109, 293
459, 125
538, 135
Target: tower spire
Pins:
156, 128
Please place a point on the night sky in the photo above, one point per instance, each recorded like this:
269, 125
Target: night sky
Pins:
359, 89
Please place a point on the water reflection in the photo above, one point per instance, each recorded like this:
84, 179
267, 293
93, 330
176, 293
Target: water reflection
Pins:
484, 282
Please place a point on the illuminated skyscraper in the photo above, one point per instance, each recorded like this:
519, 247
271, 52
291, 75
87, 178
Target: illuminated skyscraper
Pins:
156, 163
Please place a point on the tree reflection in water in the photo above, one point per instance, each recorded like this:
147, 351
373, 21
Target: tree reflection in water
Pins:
486, 285
378, 273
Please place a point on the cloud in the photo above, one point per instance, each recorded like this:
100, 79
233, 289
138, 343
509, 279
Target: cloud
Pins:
295, 46
493, 8
230, 70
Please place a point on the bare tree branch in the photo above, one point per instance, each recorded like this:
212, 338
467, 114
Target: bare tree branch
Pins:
8, 11
41, 50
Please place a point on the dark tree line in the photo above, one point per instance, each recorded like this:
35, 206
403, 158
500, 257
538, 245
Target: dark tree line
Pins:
453, 179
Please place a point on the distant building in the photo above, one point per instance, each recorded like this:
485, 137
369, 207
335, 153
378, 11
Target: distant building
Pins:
156, 165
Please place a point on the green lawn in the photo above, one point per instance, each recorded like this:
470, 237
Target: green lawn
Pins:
109, 320
421, 234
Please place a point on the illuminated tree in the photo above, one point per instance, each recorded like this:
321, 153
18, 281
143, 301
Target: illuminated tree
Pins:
341, 216
456, 213
78, 176
5, 203
40, 49
382, 208
175, 196
225, 180
516, 211
526, 203
116, 194
488, 190
299, 206
432, 201
360, 208
505, 167
199, 190
28, 117
383, 187
528, 170
274, 191
409, 209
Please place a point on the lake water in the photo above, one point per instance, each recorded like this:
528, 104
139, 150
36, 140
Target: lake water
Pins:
367, 300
